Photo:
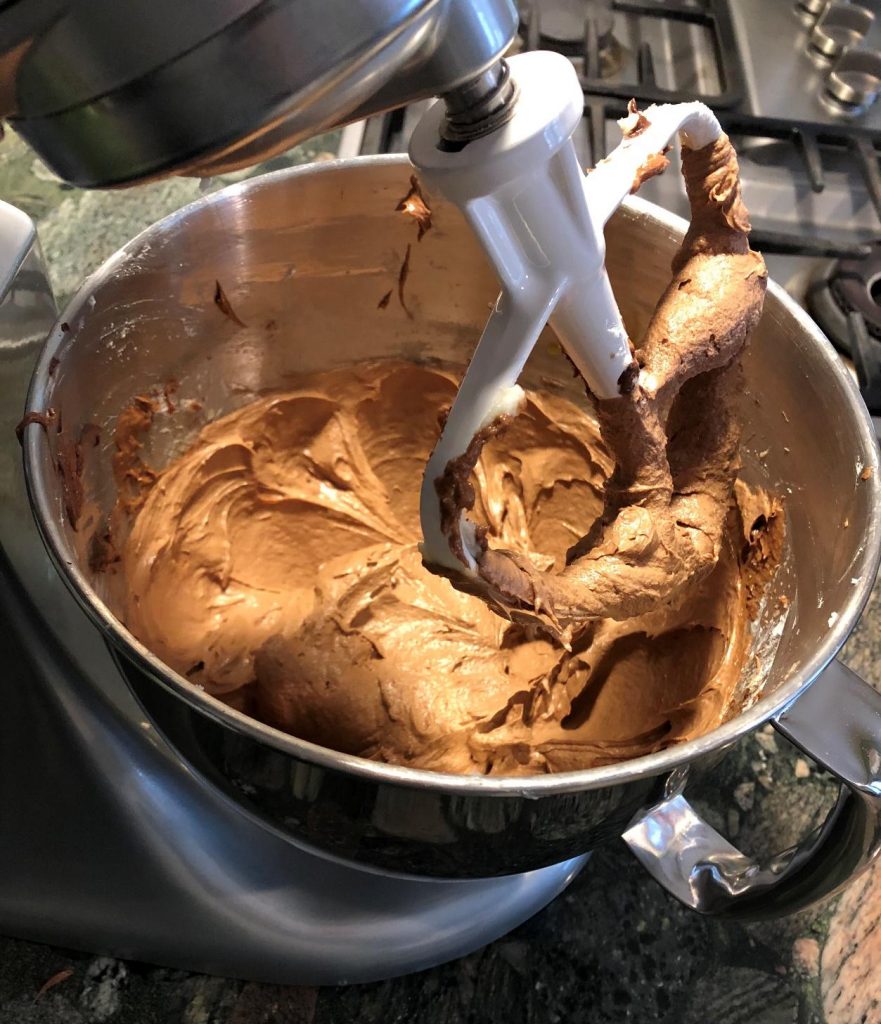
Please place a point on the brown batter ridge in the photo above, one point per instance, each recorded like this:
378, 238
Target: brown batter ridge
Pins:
673, 433
132, 476
654, 165
276, 564
70, 462
455, 489
641, 123
41, 418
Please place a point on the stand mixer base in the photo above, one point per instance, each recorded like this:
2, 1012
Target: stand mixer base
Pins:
111, 845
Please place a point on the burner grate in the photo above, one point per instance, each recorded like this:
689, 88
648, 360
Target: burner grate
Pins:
814, 146
810, 139
699, 36
617, 56
844, 298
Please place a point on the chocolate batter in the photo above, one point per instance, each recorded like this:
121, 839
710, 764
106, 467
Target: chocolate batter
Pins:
276, 564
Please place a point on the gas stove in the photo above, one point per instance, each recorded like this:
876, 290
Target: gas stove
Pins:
809, 160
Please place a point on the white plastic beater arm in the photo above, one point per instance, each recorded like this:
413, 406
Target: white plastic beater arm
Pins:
540, 221
488, 390
611, 181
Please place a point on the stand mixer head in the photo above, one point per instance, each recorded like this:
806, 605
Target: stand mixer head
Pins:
111, 94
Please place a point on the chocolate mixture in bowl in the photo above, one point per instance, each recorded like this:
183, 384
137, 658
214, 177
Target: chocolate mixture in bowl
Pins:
276, 564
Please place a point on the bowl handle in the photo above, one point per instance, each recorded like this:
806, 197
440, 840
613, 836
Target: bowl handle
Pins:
837, 722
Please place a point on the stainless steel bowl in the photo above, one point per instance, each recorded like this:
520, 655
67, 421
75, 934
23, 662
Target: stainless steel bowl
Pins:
304, 257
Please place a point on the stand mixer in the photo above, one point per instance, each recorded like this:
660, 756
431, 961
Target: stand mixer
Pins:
131, 852
101, 817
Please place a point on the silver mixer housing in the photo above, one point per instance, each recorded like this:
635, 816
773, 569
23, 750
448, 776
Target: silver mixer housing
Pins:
112, 94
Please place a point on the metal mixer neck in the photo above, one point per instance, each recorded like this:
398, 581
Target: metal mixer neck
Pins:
480, 106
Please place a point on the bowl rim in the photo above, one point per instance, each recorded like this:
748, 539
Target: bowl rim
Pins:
35, 450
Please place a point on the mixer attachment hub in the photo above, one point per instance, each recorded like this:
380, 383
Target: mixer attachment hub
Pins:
479, 107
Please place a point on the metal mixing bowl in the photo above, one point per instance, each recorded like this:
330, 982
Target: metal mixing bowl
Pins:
304, 257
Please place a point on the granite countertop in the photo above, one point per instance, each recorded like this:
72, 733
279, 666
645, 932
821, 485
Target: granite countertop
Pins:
614, 947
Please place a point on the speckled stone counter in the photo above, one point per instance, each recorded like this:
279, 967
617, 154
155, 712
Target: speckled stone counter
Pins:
613, 948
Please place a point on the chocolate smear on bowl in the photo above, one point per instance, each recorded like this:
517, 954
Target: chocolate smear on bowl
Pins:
42, 418
415, 205
224, 305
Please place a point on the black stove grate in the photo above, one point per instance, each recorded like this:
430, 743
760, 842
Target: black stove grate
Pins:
606, 100
810, 145
712, 16
844, 297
